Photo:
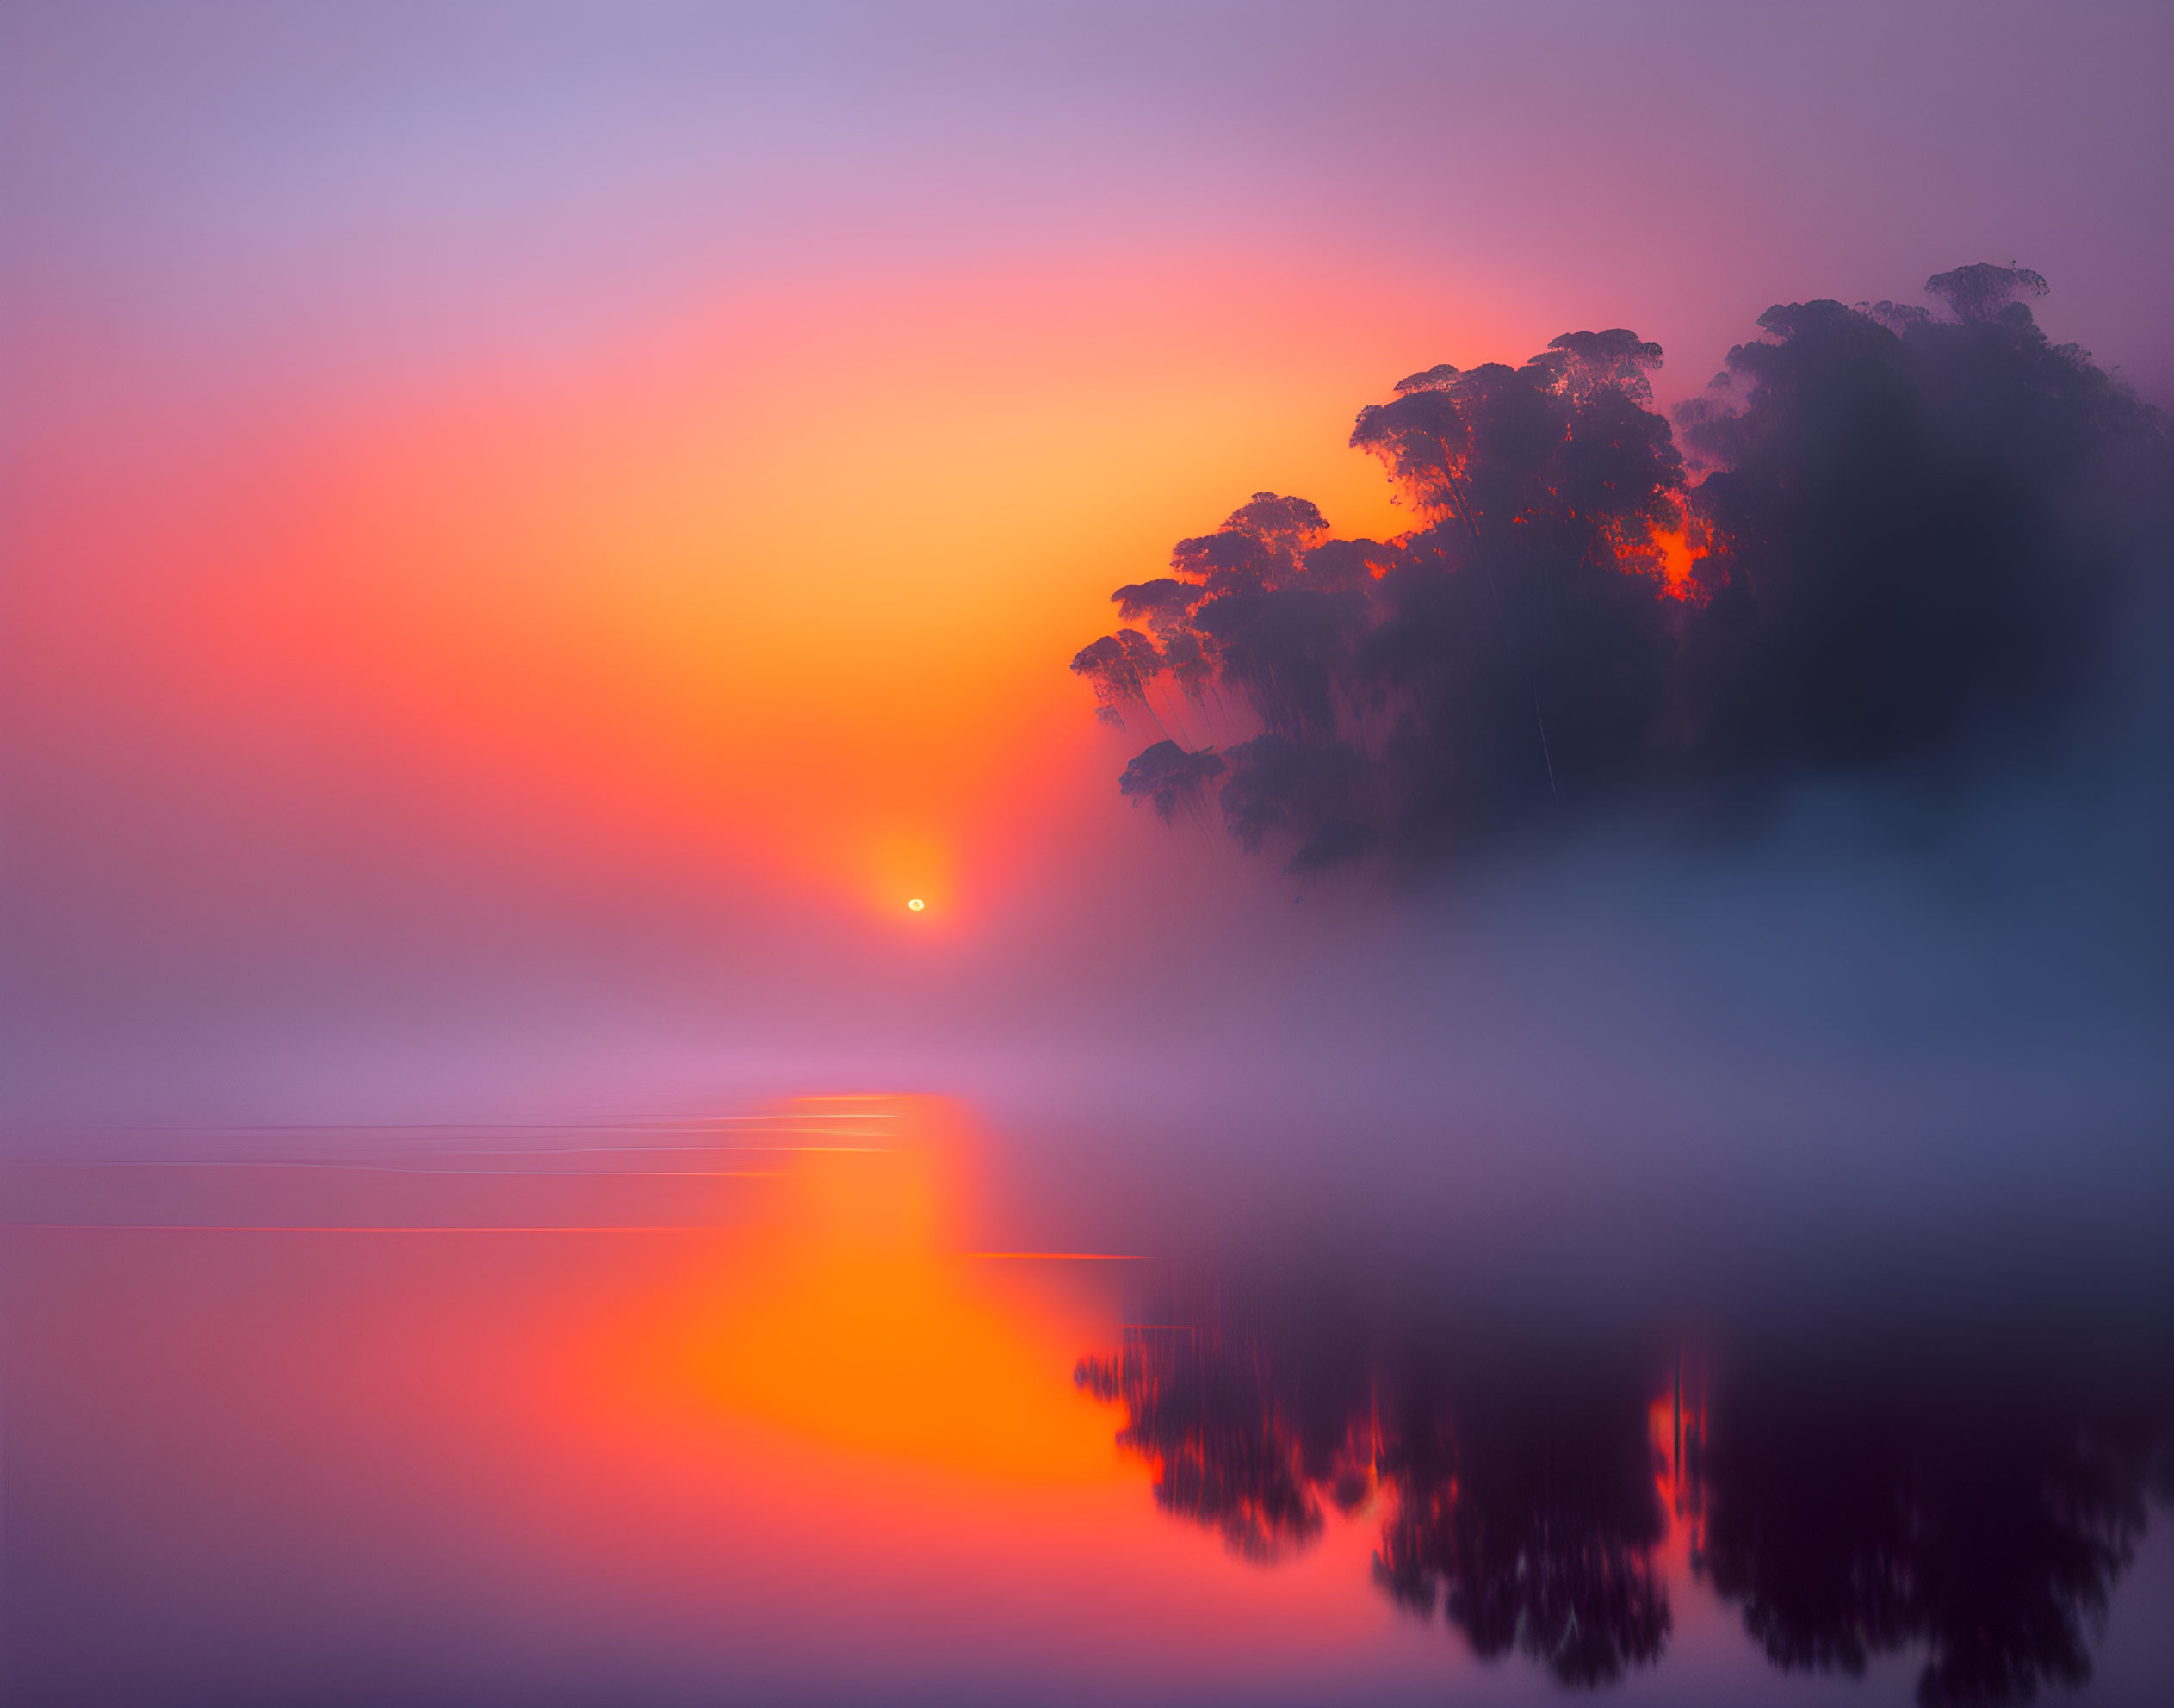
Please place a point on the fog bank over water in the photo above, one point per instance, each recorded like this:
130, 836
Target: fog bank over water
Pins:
1857, 1027
1828, 1026
1956, 941
467, 687
1873, 1026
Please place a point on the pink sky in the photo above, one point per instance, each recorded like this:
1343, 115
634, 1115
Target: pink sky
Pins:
519, 511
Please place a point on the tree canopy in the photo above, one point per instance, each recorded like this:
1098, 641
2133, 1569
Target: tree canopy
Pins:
1885, 537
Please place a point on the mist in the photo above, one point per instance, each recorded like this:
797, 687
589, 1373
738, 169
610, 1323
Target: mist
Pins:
464, 663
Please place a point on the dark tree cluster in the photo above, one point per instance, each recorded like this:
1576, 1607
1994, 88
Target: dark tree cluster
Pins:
1849, 1511
1898, 541
1524, 1508
1528, 1509
1230, 1452
1987, 1529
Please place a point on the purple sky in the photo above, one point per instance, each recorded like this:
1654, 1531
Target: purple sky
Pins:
423, 177
251, 225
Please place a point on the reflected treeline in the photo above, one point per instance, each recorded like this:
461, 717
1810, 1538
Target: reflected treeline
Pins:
1849, 1508
1988, 1520
1526, 1504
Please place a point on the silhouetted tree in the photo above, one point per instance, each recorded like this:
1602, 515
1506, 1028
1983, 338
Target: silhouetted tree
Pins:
1525, 1508
1851, 1511
1926, 532
1530, 1506
1905, 550
1241, 1441
1169, 776
1852, 1519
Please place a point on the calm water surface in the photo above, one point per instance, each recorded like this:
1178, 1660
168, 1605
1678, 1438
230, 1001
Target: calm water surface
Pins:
781, 1408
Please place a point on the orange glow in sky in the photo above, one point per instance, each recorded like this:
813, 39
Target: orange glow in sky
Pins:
782, 592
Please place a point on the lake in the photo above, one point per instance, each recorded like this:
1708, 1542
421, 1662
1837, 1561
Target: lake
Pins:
888, 1400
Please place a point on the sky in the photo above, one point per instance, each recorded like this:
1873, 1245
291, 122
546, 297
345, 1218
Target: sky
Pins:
529, 532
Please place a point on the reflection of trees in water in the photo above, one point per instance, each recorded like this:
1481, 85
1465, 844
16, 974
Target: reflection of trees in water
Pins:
1530, 1508
1524, 1497
1245, 1436
1990, 1526
1526, 1511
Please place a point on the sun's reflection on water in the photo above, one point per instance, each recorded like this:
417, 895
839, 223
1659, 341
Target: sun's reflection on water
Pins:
771, 1399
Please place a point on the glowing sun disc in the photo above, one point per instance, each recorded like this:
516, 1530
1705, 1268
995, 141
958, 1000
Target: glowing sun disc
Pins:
917, 904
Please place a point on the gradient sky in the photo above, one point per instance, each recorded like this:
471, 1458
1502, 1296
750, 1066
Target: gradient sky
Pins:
539, 510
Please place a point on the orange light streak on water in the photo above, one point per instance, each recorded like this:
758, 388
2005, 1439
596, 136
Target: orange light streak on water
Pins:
801, 1449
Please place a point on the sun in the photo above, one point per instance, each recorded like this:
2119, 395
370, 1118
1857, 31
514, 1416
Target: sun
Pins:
916, 904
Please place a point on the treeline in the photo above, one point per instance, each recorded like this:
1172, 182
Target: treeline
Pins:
1885, 539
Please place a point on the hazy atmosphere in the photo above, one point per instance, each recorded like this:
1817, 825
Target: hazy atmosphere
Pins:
1410, 677
520, 521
